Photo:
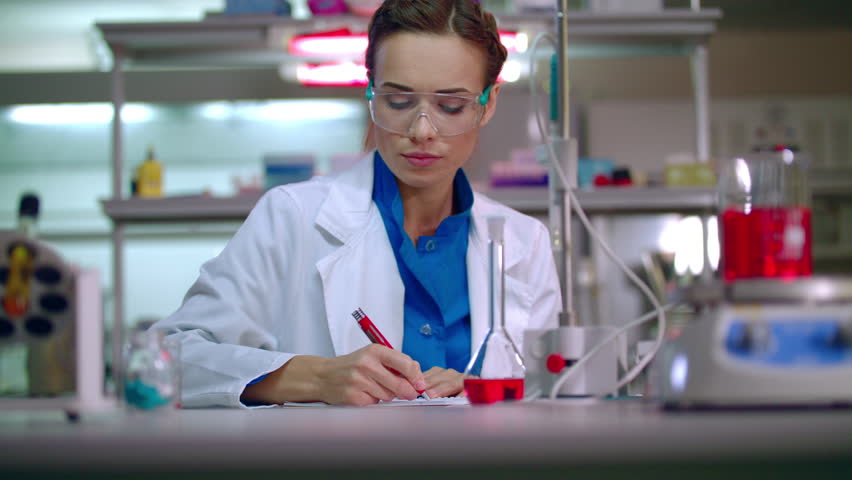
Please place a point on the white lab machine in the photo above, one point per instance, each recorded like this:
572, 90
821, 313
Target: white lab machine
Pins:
51, 330
761, 343
548, 353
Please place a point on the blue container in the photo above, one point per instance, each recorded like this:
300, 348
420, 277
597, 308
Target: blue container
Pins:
257, 7
589, 168
281, 169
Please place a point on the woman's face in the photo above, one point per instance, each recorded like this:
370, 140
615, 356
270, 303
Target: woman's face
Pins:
418, 62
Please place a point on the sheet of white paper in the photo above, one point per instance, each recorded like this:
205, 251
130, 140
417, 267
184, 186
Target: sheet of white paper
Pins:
419, 402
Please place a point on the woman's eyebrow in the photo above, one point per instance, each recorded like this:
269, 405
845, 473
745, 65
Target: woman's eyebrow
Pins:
397, 86
405, 88
453, 90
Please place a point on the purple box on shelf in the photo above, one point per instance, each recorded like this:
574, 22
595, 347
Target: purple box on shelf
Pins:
327, 7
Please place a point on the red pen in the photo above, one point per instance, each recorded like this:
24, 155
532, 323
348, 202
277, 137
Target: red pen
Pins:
375, 335
367, 326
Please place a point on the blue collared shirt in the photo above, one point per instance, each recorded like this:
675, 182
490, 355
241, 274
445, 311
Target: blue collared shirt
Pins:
437, 305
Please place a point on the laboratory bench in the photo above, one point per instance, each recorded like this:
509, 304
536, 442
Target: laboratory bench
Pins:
542, 439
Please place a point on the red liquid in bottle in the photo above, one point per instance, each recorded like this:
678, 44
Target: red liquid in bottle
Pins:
766, 242
484, 391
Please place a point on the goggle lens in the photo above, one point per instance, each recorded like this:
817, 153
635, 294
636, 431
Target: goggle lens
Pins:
448, 114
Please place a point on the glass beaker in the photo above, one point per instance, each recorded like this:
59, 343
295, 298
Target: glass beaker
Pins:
151, 371
496, 371
765, 216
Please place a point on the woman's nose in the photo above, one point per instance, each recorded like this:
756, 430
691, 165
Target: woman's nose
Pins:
421, 128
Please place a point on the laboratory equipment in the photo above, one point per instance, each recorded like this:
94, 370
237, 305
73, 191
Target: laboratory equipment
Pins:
548, 352
762, 342
151, 374
51, 330
496, 371
587, 351
765, 216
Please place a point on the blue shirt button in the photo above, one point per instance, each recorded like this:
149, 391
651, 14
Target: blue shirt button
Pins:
426, 329
431, 245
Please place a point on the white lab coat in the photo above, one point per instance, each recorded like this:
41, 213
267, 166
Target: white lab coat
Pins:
307, 256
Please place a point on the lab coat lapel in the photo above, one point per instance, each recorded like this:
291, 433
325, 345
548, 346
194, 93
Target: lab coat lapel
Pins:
362, 272
477, 287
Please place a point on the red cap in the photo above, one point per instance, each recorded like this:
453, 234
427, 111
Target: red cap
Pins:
555, 363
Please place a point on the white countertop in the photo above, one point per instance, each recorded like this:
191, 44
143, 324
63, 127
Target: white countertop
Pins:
540, 435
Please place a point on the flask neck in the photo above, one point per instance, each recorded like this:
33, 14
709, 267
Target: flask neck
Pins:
497, 318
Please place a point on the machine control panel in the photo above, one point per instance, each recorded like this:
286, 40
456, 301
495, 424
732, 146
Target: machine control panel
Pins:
790, 341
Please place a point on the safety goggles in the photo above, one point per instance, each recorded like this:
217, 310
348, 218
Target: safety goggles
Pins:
449, 114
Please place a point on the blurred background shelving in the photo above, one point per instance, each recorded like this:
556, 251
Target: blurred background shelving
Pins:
771, 64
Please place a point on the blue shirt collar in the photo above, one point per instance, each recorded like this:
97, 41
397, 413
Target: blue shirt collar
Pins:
386, 193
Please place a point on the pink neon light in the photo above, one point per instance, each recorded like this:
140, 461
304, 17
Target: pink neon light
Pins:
346, 74
510, 41
337, 44
353, 45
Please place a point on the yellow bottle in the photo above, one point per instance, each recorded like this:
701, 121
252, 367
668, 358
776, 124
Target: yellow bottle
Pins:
150, 176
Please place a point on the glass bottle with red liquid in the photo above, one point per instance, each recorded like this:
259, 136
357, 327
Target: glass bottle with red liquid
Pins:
765, 216
496, 371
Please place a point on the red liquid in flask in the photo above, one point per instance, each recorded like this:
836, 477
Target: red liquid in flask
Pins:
484, 391
766, 242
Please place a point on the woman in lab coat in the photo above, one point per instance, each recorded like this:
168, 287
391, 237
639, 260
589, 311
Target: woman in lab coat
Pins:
400, 235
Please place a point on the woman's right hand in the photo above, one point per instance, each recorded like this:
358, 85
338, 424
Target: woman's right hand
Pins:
362, 377
368, 375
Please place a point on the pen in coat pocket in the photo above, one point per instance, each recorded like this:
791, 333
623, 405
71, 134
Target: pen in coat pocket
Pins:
373, 333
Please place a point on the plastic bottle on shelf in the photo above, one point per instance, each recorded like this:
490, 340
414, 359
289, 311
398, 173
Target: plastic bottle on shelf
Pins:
150, 176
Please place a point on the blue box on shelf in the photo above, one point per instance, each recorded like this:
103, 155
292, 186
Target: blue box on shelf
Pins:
289, 168
589, 168
257, 7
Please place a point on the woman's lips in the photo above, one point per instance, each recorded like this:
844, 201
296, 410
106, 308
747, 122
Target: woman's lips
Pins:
419, 159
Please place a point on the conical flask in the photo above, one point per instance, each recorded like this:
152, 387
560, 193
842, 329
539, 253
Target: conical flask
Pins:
496, 371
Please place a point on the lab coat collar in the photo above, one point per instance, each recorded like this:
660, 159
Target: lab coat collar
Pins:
363, 272
346, 210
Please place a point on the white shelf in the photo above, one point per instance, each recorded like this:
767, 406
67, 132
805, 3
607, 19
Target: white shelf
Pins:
831, 182
253, 41
616, 200
832, 252
179, 209
665, 25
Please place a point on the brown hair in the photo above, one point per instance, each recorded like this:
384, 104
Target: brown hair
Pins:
464, 18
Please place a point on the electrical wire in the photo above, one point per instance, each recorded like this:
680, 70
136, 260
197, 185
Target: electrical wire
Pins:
584, 219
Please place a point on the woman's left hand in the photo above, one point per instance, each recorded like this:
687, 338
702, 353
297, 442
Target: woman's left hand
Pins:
443, 382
